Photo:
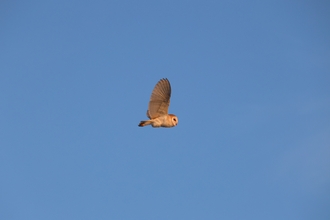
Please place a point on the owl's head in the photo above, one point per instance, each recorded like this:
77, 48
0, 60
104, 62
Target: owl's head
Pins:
174, 120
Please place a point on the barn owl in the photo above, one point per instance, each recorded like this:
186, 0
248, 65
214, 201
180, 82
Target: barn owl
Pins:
158, 107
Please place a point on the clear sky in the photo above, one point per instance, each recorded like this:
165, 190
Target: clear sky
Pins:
250, 86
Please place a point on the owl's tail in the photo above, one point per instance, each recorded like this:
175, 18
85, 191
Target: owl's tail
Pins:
144, 123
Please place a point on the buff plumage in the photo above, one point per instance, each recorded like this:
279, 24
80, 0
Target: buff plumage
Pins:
158, 107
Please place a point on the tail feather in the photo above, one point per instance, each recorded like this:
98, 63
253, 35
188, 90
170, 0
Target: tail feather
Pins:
144, 123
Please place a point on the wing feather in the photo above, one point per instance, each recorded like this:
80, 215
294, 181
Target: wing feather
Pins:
160, 99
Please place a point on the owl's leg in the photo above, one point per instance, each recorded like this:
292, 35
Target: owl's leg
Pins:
144, 123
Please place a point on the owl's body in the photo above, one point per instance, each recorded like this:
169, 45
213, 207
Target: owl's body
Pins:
166, 121
158, 107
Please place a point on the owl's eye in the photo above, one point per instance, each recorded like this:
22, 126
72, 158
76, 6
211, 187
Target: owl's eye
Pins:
174, 119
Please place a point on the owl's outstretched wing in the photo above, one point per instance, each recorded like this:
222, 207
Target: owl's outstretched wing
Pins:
160, 99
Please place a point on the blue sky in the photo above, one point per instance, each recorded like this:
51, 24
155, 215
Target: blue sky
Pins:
250, 86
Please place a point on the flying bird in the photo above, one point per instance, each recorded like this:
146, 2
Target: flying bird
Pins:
158, 107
